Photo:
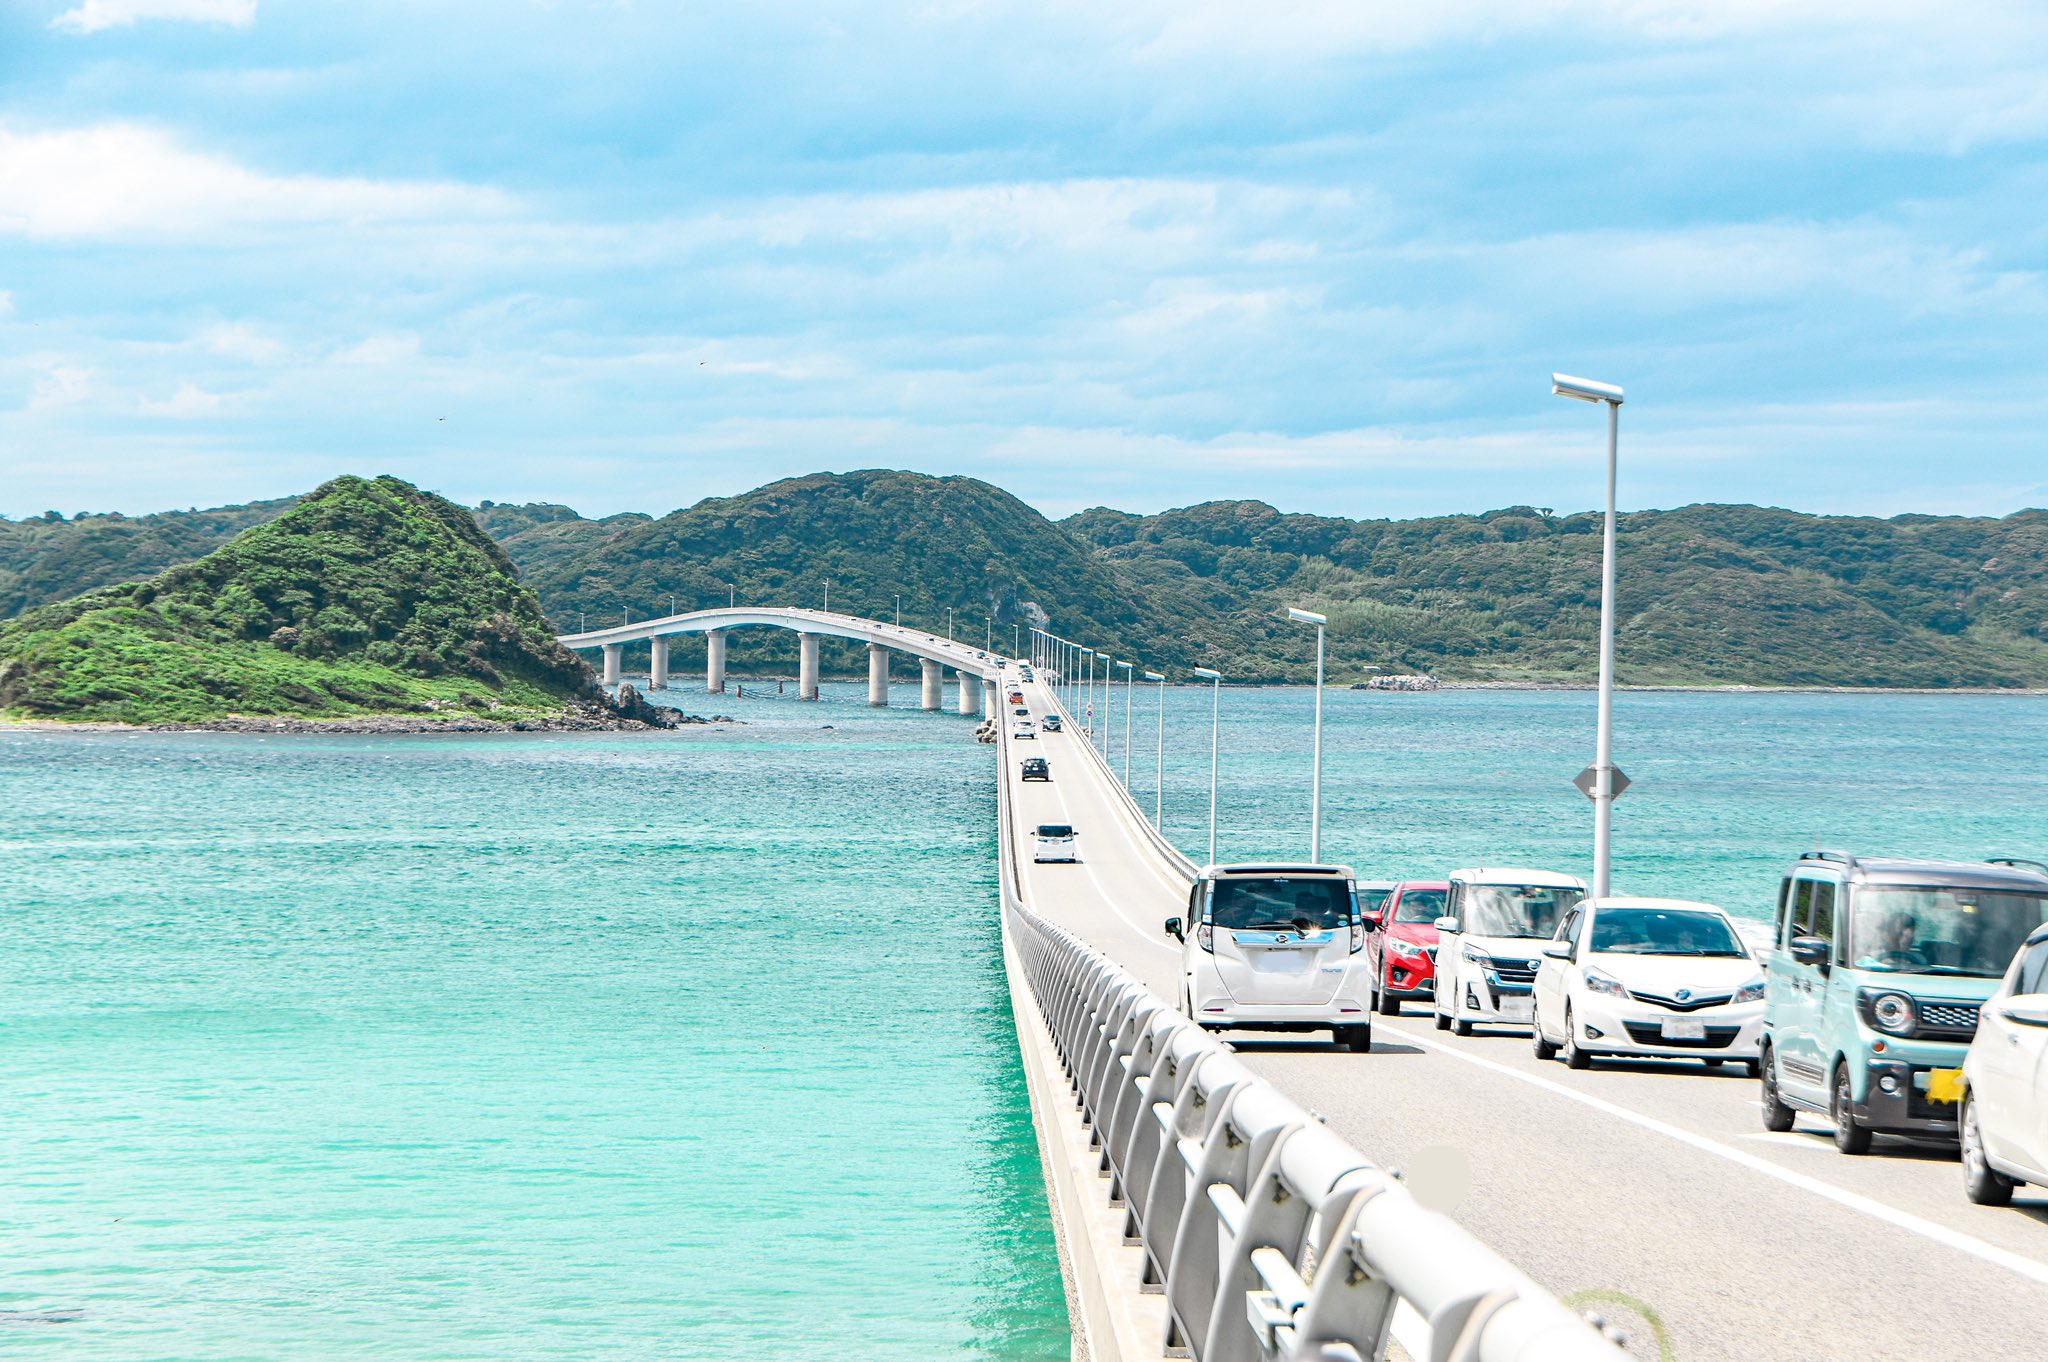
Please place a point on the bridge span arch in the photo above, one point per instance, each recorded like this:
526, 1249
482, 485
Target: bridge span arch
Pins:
978, 673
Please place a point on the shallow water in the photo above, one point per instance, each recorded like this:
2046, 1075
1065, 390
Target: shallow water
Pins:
690, 1046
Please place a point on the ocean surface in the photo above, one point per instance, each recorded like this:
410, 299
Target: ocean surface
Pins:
571, 1046
696, 1045
1728, 787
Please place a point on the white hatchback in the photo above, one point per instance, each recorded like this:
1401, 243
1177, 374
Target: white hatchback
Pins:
2005, 1082
1656, 977
1276, 948
1054, 842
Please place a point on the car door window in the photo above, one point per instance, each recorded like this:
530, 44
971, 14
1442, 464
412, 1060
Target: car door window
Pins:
2033, 971
1567, 930
1820, 921
1800, 902
1784, 909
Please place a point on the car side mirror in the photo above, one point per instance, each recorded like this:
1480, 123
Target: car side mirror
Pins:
1447, 924
1808, 950
2028, 1010
1559, 950
1372, 919
1174, 930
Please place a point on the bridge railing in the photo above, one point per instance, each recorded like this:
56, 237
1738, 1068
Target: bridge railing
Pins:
1272, 1238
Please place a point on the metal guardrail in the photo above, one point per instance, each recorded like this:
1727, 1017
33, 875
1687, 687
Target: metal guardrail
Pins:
1272, 1239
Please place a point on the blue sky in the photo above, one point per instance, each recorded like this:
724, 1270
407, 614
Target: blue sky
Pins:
1144, 254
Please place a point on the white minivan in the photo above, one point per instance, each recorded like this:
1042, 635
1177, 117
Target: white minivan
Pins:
1490, 942
1054, 842
1276, 947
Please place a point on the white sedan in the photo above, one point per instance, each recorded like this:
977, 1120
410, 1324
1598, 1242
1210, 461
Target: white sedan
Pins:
2005, 1082
1654, 977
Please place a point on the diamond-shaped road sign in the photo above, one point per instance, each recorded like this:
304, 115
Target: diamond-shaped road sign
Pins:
1585, 779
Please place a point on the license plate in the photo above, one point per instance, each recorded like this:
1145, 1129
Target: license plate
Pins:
1676, 1029
1944, 1085
1517, 1009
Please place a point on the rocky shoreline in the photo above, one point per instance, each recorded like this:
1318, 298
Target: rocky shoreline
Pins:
627, 717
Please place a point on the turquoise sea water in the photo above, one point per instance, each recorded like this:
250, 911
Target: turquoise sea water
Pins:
577, 1046
696, 1045
1728, 786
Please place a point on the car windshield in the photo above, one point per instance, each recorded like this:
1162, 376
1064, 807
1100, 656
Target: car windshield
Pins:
1663, 931
1972, 932
1420, 905
1277, 904
1530, 910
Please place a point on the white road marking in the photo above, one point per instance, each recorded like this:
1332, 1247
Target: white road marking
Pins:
1927, 1229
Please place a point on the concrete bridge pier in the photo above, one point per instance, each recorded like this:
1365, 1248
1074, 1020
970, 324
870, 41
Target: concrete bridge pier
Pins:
807, 667
714, 665
970, 685
878, 674
934, 683
612, 654
657, 671
991, 699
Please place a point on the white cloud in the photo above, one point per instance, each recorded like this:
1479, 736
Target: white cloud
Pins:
125, 179
95, 15
60, 386
386, 348
188, 401
6, 303
241, 340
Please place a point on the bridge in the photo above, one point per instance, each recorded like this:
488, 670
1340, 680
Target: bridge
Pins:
975, 672
1437, 1198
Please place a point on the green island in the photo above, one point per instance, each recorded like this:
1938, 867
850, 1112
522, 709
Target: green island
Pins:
366, 598
390, 598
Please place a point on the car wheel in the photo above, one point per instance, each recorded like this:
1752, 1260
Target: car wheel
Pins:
1712, 1062
1537, 1040
1461, 1025
1754, 1067
1777, 1116
1443, 1023
1357, 1039
1850, 1138
1575, 1056
1982, 1183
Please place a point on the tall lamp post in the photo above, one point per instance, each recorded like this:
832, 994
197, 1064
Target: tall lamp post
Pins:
1603, 772
1159, 759
828, 596
1215, 680
899, 610
1129, 668
949, 624
1315, 798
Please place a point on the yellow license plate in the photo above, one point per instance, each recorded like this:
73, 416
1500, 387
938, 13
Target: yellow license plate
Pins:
1944, 1085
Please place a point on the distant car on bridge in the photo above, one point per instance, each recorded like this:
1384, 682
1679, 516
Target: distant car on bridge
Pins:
1050, 723
1276, 947
1404, 948
1665, 978
1022, 729
1035, 768
1490, 942
1055, 842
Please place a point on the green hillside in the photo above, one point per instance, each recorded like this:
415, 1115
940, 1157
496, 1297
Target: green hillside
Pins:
367, 597
1709, 594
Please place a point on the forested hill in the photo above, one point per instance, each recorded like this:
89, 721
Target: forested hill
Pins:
1709, 594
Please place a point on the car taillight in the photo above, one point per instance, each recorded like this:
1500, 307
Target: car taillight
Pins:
1357, 936
1205, 937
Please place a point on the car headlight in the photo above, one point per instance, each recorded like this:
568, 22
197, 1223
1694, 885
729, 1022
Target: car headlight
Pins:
1889, 1012
1751, 992
1408, 948
1596, 982
1478, 957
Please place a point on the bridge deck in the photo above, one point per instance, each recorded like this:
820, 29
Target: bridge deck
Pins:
1654, 1181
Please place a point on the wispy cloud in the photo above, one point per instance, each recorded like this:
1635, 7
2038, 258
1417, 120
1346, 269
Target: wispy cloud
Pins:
129, 179
188, 401
95, 15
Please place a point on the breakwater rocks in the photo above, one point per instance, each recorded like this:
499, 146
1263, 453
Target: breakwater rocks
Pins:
1415, 681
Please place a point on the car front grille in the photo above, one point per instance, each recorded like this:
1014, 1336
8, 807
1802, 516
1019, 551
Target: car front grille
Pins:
1940, 1020
1692, 1004
1649, 1033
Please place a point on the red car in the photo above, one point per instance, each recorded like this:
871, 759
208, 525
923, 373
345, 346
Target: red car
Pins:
1404, 949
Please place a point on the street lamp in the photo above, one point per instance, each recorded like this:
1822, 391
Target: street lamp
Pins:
1128, 669
1159, 758
949, 624
1016, 640
732, 595
671, 602
1215, 680
1603, 772
899, 610
828, 596
1315, 805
